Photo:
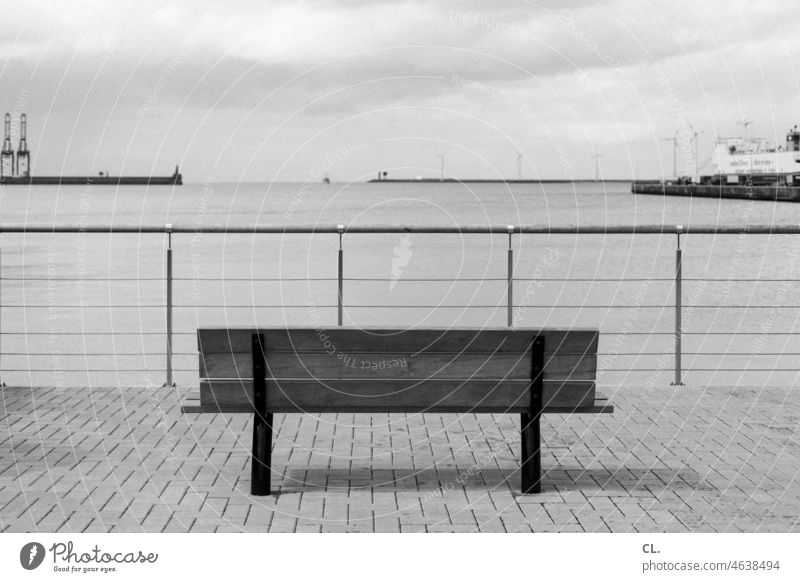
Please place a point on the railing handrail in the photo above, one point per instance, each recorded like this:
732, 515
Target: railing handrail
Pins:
404, 228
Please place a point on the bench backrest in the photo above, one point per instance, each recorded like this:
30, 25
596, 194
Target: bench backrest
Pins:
397, 370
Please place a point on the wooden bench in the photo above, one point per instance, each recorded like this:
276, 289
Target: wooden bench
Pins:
278, 370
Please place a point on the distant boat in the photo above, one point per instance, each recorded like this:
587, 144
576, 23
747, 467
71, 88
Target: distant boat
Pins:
326, 180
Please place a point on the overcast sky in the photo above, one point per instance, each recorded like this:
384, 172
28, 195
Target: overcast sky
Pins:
257, 91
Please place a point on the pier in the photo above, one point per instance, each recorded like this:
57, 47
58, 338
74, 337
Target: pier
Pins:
498, 181
769, 193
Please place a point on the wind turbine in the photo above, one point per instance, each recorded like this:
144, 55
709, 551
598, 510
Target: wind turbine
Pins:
696, 134
441, 170
519, 165
596, 157
674, 140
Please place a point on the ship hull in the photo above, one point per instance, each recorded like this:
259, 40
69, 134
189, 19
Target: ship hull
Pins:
174, 180
771, 193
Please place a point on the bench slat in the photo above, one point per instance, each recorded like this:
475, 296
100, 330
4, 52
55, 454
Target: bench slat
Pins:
358, 340
397, 395
191, 404
397, 365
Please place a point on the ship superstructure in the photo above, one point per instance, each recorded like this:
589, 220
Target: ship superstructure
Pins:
737, 158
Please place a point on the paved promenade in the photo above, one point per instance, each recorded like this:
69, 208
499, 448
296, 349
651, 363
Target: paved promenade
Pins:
686, 459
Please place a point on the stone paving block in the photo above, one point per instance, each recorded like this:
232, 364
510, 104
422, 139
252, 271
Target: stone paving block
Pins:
452, 528
95, 526
127, 527
76, 523
175, 525
387, 525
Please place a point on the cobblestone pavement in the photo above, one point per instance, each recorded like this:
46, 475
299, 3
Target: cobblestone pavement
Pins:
669, 459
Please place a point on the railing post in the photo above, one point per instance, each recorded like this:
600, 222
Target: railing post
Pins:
510, 284
340, 228
169, 381
678, 331
2, 384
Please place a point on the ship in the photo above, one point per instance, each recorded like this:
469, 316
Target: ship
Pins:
737, 160
743, 168
15, 169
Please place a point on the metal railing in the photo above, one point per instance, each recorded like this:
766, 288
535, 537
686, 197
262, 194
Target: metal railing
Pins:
676, 278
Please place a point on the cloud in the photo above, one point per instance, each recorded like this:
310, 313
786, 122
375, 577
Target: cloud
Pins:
605, 73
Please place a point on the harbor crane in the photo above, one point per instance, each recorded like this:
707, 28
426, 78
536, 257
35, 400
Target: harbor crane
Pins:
7, 155
23, 154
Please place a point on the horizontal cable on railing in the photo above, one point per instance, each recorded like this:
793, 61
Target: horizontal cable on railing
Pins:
259, 306
93, 370
689, 306
714, 333
499, 305
635, 370
596, 279
80, 306
333, 325
426, 279
502, 279
84, 279
194, 354
97, 333
662, 279
726, 279
85, 354
685, 353
194, 370
194, 279
162, 306
701, 333
600, 355
249, 279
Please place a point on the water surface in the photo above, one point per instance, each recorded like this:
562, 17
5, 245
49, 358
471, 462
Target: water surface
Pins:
88, 309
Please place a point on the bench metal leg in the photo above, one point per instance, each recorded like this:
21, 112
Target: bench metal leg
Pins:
531, 454
531, 466
262, 455
262, 423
